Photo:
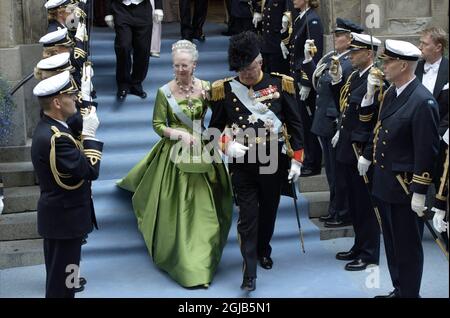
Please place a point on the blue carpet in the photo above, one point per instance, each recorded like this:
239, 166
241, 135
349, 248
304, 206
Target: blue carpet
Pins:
115, 260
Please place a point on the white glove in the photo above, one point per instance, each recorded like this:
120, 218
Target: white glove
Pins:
363, 165
372, 83
307, 51
438, 220
284, 23
335, 73
335, 139
81, 32
295, 171
109, 19
257, 17
158, 16
86, 82
284, 50
90, 123
235, 149
418, 203
304, 92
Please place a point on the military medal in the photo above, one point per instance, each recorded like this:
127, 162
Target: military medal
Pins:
252, 119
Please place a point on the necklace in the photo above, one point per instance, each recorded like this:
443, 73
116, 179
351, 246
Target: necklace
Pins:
187, 90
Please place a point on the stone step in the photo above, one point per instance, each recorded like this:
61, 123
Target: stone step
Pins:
317, 183
317, 202
18, 226
16, 153
20, 199
17, 174
21, 253
333, 233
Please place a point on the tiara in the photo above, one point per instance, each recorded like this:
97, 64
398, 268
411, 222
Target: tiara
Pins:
184, 44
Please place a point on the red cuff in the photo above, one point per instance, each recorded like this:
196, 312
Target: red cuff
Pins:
224, 139
299, 155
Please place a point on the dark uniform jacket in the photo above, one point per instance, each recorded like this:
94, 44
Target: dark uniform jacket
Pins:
327, 111
229, 111
241, 9
297, 43
132, 14
439, 93
355, 123
272, 14
64, 213
406, 143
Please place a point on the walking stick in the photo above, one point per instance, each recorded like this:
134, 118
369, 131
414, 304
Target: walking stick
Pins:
424, 218
366, 182
297, 214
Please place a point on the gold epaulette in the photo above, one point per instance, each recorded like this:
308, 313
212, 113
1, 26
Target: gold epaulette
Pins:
218, 89
287, 83
56, 174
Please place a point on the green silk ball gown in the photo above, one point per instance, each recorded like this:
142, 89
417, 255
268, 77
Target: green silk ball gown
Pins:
184, 218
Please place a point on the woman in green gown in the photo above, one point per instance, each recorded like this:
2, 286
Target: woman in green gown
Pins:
184, 217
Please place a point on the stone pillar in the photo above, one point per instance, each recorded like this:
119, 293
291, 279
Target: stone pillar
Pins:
22, 23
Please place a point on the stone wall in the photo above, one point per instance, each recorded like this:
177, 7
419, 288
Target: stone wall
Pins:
22, 23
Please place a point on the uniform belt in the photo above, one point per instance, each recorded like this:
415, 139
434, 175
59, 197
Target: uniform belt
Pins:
260, 140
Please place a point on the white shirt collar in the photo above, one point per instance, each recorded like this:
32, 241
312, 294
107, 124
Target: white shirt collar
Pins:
365, 70
343, 53
400, 90
61, 122
434, 66
302, 13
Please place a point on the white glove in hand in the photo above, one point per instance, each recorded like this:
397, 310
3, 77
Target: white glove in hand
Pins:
335, 139
295, 171
86, 82
372, 83
284, 24
307, 51
284, 50
90, 123
304, 92
235, 149
109, 19
335, 73
158, 16
363, 165
257, 17
81, 32
418, 203
438, 220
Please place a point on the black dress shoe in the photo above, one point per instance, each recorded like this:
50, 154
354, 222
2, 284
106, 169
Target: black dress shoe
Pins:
346, 256
326, 218
82, 281
227, 33
248, 283
308, 172
121, 94
138, 92
337, 223
356, 265
266, 262
201, 37
392, 294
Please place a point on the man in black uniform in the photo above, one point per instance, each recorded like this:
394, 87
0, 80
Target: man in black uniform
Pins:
327, 113
254, 106
241, 16
274, 17
355, 125
307, 26
405, 146
192, 27
65, 168
133, 22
